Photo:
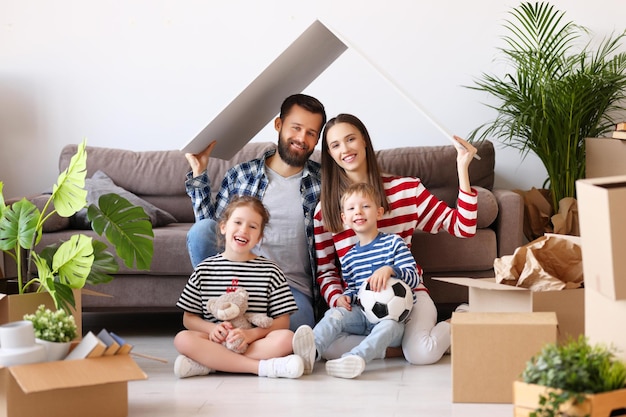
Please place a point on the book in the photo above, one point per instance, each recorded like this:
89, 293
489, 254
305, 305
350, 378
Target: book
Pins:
618, 134
125, 347
621, 126
109, 341
89, 347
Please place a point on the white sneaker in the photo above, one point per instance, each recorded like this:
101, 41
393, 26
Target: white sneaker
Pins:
185, 367
304, 346
287, 367
462, 308
346, 367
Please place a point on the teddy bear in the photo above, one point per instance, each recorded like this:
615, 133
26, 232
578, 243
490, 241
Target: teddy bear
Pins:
232, 307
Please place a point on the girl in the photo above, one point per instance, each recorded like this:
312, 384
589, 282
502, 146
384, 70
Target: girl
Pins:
348, 157
242, 225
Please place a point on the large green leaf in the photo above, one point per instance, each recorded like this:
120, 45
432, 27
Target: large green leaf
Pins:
104, 264
126, 226
72, 261
18, 225
69, 194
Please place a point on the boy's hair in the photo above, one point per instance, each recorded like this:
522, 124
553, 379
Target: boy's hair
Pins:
242, 201
364, 189
308, 103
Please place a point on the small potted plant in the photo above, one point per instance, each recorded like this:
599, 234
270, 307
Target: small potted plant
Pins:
571, 379
53, 329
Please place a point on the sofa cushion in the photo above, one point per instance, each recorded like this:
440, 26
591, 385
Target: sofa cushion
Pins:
487, 208
100, 184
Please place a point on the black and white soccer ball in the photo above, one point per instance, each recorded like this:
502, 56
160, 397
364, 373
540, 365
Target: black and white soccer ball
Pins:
393, 303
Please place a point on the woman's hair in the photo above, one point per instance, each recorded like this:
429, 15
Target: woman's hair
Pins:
243, 201
334, 178
363, 189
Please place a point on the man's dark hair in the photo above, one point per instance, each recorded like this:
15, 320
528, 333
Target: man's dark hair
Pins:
306, 102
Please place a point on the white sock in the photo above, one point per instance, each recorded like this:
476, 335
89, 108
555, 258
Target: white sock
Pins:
263, 367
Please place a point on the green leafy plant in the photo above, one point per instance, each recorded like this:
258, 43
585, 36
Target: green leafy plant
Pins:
558, 92
71, 264
53, 326
573, 369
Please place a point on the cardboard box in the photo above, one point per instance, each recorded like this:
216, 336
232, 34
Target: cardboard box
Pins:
486, 295
604, 157
603, 320
601, 208
490, 351
89, 387
13, 307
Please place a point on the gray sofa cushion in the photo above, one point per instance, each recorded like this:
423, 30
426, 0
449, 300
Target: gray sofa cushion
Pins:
100, 184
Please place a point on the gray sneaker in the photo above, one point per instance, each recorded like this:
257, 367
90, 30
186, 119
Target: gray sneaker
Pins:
185, 367
287, 367
346, 367
304, 346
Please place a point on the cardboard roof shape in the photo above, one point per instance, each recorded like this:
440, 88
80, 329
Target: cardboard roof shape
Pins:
299, 65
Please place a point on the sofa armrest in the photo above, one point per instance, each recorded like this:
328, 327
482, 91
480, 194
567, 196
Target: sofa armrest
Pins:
509, 224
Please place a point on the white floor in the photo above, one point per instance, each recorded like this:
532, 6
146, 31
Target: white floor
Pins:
387, 387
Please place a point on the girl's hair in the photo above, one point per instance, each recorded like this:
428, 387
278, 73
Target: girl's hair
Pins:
243, 201
334, 178
363, 189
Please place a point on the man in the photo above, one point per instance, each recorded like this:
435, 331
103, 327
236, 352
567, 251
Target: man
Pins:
288, 183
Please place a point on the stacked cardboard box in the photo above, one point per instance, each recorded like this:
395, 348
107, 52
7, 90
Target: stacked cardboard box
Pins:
606, 156
601, 205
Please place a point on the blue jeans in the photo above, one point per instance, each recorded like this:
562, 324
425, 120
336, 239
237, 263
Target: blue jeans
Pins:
202, 243
378, 338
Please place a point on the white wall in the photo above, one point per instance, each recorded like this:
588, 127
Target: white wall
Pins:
145, 74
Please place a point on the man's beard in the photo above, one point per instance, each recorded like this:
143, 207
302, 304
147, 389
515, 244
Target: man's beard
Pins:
290, 157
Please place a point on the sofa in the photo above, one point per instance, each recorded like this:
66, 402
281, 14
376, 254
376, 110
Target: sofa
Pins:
156, 179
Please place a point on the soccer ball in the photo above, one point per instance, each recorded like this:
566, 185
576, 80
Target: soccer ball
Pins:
393, 303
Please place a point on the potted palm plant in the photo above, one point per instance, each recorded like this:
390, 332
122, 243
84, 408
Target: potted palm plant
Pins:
559, 90
572, 379
62, 268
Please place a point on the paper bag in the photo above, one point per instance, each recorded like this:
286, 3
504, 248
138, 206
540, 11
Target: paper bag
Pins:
551, 262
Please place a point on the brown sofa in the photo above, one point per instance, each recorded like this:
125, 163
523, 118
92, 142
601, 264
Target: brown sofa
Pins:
158, 178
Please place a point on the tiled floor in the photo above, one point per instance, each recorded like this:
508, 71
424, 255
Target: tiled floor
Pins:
387, 387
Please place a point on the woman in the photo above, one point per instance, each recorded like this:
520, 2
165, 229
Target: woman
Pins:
347, 158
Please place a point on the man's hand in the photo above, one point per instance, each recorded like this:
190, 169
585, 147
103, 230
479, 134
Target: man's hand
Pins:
199, 161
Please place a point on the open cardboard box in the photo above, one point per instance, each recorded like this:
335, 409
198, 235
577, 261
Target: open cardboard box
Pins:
14, 306
601, 205
95, 387
490, 351
486, 295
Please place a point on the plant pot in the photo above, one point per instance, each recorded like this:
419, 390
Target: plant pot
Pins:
55, 351
526, 400
13, 307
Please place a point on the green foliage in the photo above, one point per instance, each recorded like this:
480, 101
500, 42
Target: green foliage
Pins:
53, 326
557, 94
71, 264
574, 369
